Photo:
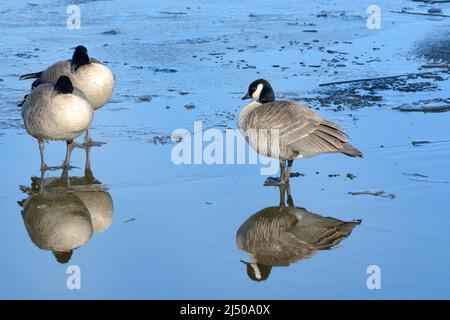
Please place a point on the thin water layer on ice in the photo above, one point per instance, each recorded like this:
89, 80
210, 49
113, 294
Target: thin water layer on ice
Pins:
173, 231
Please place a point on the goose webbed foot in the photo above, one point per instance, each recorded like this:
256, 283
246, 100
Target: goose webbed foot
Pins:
284, 175
68, 167
92, 143
89, 143
45, 168
274, 182
65, 167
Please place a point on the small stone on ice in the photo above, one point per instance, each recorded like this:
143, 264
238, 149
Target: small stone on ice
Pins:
111, 32
350, 176
434, 10
145, 98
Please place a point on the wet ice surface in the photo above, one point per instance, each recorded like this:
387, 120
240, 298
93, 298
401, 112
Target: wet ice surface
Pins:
174, 227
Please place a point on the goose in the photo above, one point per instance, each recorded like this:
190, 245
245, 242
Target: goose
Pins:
89, 75
56, 112
282, 235
57, 221
66, 215
298, 131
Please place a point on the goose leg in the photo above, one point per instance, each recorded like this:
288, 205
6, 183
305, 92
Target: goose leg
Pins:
88, 159
283, 172
87, 168
289, 168
70, 146
44, 166
88, 142
41, 150
41, 182
290, 201
282, 196
274, 182
65, 176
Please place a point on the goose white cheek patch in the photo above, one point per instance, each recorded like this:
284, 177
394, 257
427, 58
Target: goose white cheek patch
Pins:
257, 93
256, 270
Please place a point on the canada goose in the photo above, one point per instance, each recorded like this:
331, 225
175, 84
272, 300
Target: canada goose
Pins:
287, 130
57, 221
280, 235
87, 74
65, 216
56, 112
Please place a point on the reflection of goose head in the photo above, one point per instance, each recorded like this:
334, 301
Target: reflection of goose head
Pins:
66, 213
257, 271
63, 257
279, 236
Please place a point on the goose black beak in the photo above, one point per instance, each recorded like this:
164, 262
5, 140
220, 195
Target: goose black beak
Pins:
247, 96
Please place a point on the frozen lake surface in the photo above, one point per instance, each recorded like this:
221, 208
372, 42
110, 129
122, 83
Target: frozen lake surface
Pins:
173, 230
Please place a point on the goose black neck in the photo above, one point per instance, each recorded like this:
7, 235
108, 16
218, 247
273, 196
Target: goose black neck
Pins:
267, 95
80, 57
63, 85
63, 257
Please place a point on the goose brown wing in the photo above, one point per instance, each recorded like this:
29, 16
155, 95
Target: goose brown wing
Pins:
318, 231
52, 73
298, 127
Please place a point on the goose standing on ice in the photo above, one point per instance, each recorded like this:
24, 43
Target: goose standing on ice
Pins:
56, 112
281, 235
287, 130
89, 75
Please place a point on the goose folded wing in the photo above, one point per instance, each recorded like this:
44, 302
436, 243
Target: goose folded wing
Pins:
52, 73
298, 127
307, 133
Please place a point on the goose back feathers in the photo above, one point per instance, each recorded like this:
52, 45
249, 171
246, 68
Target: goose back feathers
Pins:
87, 74
289, 130
278, 236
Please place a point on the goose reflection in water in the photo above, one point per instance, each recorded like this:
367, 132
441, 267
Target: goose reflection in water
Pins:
280, 235
62, 214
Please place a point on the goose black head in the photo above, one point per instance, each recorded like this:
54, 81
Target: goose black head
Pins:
80, 57
261, 91
257, 271
63, 85
63, 257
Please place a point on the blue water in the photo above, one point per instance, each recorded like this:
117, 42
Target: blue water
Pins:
173, 233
